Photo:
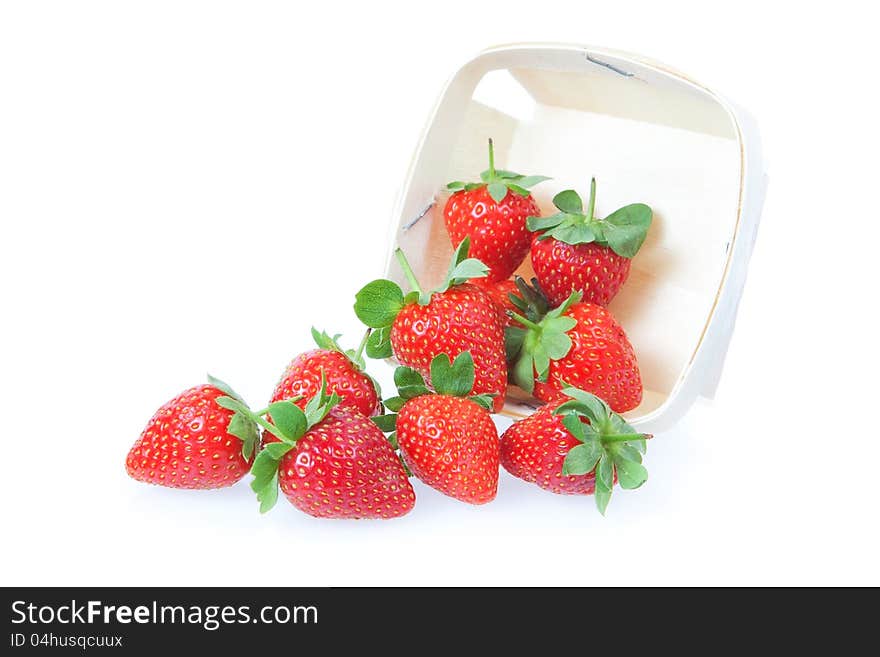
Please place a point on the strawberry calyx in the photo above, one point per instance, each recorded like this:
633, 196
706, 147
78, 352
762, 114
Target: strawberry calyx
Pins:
288, 425
623, 231
607, 445
378, 302
541, 337
356, 356
240, 425
453, 378
498, 181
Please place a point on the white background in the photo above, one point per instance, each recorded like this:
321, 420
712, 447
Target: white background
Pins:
189, 186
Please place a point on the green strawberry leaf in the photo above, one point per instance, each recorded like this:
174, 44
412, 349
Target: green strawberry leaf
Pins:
625, 229
604, 482
516, 189
630, 474
603, 497
406, 376
582, 459
268, 493
569, 201
276, 450
265, 473
319, 405
224, 387
466, 270
394, 404
386, 423
521, 304
594, 408
392, 439
640, 445
454, 378
265, 465
530, 181
486, 400
616, 422
513, 341
244, 429
288, 419
574, 425
461, 270
605, 471
379, 343
626, 451
573, 233
324, 341
411, 392
497, 190
455, 185
554, 338
538, 224
232, 404
241, 424
541, 360
378, 302
410, 384
575, 407
523, 373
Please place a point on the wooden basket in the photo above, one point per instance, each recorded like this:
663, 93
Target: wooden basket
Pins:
648, 134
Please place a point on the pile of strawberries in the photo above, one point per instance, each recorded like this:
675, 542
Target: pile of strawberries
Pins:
336, 449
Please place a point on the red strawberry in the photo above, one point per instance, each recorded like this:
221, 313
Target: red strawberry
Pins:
193, 442
576, 344
454, 318
500, 294
574, 251
447, 439
343, 372
575, 446
492, 213
330, 461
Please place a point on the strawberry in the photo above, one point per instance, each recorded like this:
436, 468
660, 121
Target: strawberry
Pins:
329, 460
492, 213
193, 442
575, 446
574, 251
342, 370
500, 294
454, 318
575, 344
447, 439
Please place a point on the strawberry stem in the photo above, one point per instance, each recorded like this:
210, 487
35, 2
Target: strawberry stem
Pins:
407, 271
491, 160
591, 206
525, 322
259, 419
360, 350
624, 437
